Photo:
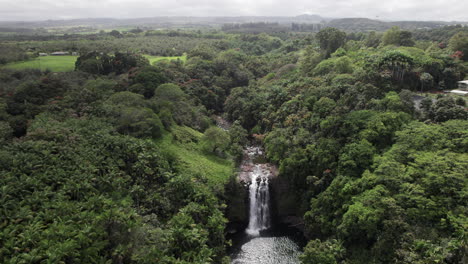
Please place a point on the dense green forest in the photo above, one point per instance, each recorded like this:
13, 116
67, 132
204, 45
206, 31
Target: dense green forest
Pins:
121, 161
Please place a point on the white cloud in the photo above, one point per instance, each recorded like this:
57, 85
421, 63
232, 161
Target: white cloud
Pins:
448, 10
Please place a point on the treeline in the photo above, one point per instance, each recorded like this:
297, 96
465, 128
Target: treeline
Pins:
11, 53
156, 45
347, 24
439, 34
159, 43
16, 30
255, 27
303, 27
270, 27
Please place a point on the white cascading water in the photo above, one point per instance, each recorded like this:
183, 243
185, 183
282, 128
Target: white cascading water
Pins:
261, 247
259, 195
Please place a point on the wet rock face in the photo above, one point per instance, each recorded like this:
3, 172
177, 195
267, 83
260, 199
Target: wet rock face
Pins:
253, 162
237, 211
254, 157
285, 203
222, 123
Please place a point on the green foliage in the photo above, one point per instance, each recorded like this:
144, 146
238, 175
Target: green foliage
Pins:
215, 140
50, 231
276, 144
356, 157
397, 62
89, 195
373, 40
243, 104
184, 145
11, 53
310, 60
30, 98
138, 122
338, 65
363, 216
155, 59
444, 109
395, 36
330, 39
170, 97
327, 252
169, 92
127, 99
6, 131
102, 63
150, 78
238, 134
205, 52
339, 53
238, 139
411, 187
166, 118
324, 106
88, 98
459, 42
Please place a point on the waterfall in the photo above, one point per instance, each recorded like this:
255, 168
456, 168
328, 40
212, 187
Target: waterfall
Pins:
257, 245
259, 195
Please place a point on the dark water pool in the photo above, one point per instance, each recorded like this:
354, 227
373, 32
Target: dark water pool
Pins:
278, 246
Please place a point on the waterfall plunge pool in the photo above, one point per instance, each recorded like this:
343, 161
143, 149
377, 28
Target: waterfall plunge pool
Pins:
263, 242
278, 245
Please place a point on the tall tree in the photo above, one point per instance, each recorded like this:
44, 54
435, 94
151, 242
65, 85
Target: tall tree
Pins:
331, 39
396, 36
459, 42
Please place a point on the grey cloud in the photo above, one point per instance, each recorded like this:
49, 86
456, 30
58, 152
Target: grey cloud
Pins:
448, 10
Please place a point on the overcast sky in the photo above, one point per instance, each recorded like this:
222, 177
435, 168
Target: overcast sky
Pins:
448, 10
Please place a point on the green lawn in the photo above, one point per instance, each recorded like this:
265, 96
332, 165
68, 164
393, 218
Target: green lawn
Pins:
67, 63
154, 59
53, 63
192, 159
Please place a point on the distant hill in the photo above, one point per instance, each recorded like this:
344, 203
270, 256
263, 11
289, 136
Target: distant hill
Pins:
361, 24
60, 23
347, 24
366, 24
157, 21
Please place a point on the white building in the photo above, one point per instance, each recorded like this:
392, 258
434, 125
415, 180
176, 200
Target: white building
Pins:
459, 92
60, 53
463, 85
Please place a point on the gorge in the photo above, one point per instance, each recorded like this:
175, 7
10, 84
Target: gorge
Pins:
264, 240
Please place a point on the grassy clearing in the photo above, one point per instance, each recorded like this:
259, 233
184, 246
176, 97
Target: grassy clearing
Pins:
67, 63
183, 144
154, 59
52, 63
